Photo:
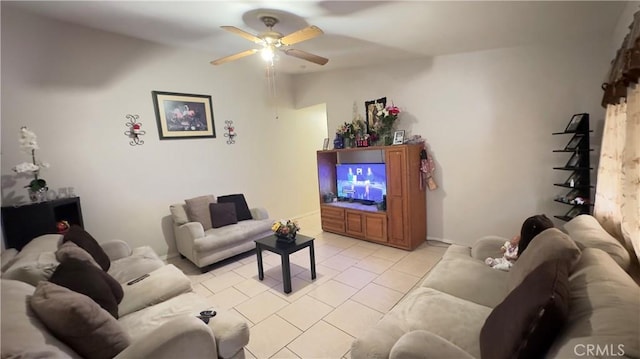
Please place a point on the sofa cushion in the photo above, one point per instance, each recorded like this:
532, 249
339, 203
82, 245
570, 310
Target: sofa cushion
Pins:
233, 235
85, 278
71, 250
550, 244
222, 214
32, 268
161, 284
7, 258
142, 260
78, 321
588, 233
605, 308
526, 323
242, 209
85, 241
179, 213
23, 334
468, 279
455, 320
198, 210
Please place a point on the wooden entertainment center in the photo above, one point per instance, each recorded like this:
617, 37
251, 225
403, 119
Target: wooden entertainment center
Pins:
404, 222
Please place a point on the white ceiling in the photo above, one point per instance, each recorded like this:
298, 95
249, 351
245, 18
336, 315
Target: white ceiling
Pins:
357, 33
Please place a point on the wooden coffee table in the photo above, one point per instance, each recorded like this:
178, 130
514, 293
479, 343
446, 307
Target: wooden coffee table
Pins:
271, 244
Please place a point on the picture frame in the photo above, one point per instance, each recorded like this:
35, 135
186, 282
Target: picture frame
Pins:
574, 143
181, 115
325, 144
574, 161
371, 109
398, 137
574, 122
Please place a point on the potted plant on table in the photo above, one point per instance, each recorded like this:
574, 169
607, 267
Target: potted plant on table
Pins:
285, 230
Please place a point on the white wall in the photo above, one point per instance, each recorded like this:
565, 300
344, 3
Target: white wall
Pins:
73, 87
488, 118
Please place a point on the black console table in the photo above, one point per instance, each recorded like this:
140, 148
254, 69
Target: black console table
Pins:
24, 222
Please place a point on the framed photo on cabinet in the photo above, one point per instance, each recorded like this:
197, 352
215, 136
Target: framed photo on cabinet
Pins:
398, 137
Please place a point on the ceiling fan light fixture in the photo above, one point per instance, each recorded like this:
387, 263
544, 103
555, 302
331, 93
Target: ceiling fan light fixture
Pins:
267, 53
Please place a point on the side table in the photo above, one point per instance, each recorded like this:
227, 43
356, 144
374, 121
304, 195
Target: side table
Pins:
271, 244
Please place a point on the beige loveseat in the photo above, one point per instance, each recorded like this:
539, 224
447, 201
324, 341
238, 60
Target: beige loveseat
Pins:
157, 314
444, 316
204, 247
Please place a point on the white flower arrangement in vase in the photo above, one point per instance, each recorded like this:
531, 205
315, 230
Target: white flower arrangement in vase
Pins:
38, 186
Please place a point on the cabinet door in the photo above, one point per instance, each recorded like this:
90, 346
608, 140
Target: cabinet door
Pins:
332, 219
396, 193
355, 226
375, 227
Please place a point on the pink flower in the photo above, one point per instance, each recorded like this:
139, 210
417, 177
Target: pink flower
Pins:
393, 110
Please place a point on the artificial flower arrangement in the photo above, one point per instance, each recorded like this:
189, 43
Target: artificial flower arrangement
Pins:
29, 144
347, 130
285, 228
384, 121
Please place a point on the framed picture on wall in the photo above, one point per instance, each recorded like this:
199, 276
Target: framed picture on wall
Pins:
182, 115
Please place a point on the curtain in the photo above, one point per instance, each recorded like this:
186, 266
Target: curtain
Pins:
617, 206
630, 172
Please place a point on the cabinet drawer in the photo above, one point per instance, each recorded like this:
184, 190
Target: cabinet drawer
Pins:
331, 225
375, 227
327, 212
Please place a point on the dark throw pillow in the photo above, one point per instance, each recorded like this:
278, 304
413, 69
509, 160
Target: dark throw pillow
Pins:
222, 214
242, 209
78, 321
85, 241
84, 278
527, 322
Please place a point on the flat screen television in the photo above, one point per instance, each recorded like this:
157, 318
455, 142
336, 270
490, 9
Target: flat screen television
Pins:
361, 181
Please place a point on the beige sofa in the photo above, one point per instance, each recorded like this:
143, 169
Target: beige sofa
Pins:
444, 316
205, 247
157, 314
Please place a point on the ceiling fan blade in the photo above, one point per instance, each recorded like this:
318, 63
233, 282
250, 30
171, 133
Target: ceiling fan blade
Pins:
301, 35
246, 35
306, 56
239, 55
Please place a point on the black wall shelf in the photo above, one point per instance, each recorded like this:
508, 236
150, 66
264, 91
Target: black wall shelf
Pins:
578, 184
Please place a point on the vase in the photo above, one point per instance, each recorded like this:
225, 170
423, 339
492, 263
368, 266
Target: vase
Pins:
38, 196
348, 142
388, 140
286, 238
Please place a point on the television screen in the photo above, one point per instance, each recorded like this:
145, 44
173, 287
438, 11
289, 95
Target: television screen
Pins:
361, 181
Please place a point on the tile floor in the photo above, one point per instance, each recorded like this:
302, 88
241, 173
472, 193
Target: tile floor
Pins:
357, 282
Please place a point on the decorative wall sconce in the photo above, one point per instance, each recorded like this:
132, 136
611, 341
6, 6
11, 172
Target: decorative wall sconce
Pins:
134, 132
231, 132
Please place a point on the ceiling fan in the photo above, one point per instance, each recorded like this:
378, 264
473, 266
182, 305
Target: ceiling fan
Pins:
272, 41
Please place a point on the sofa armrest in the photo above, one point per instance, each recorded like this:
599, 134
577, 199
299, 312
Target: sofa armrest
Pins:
184, 337
488, 246
190, 230
424, 344
116, 249
259, 213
